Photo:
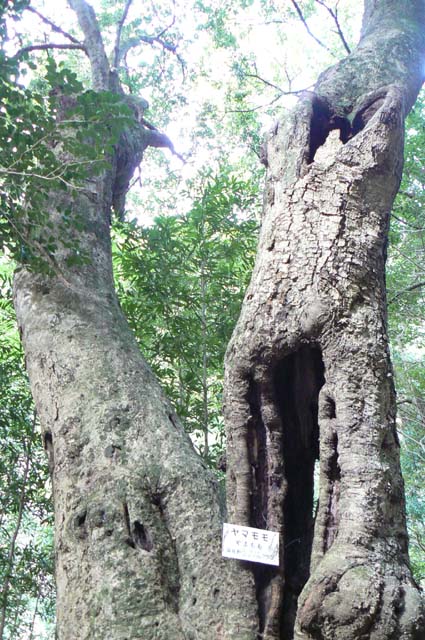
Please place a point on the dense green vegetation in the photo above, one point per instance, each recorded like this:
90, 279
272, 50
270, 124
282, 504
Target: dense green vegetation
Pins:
181, 276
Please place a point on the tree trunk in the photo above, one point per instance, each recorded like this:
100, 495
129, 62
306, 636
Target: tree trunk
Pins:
308, 372
137, 513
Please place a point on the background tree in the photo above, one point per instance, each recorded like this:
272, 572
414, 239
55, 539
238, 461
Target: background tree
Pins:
405, 298
26, 555
180, 283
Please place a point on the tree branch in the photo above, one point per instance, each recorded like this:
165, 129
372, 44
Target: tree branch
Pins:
134, 42
101, 76
119, 31
408, 224
334, 15
268, 104
395, 297
303, 20
47, 46
53, 26
266, 82
160, 140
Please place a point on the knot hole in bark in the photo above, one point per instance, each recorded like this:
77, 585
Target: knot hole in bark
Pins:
329, 408
48, 447
138, 536
80, 524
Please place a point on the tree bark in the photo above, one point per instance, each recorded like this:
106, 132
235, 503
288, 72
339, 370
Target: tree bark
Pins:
308, 371
137, 513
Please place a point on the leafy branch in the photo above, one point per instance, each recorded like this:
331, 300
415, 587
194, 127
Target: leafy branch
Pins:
399, 294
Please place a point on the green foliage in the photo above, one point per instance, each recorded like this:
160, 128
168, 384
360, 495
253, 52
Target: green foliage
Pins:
411, 388
406, 289
181, 284
54, 135
217, 20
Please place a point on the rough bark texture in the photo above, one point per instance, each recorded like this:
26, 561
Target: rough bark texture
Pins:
308, 372
137, 514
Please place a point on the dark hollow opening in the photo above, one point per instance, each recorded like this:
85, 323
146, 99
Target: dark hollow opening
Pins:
323, 121
329, 408
261, 486
297, 380
81, 518
141, 536
257, 448
48, 440
80, 524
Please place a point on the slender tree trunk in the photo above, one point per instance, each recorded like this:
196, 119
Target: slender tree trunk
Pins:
204, 330
308, 373
34, 617
10, 565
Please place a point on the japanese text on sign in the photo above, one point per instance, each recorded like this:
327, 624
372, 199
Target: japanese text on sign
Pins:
248, 543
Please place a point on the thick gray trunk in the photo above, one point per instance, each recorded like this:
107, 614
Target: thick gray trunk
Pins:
308, 373
137, 515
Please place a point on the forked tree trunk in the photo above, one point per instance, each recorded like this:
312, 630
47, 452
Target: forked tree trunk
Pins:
308, 373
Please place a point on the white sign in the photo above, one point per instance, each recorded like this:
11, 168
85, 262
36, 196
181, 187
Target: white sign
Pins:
247, 543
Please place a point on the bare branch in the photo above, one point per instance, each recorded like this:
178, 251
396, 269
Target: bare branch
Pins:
268, 104
119, 31
417, 264
152, 40
160, 140
121, 51
267, 82
405, 222
303, 20
395, 297
164, 31
48, 46
334, 15
53, 26
415, 441
134, 42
